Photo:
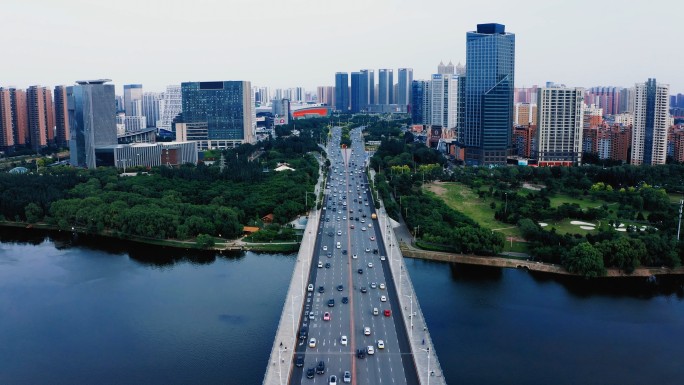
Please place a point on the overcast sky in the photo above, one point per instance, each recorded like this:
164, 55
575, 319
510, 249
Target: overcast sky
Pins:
290, 43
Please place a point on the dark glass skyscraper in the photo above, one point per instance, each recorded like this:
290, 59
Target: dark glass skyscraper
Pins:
419, 101
358, 98
226, 107
385, 86
404, 80
342, 91
490, 78
368, 87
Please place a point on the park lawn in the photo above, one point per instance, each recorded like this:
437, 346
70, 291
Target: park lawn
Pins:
565, 227
675, 197
463, 199
585, 202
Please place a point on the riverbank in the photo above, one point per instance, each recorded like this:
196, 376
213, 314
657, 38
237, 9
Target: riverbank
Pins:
514, 263
228, 245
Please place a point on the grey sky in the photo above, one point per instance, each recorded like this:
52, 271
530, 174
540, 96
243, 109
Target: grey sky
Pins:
289, 43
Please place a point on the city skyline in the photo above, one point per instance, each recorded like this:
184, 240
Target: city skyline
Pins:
545, 33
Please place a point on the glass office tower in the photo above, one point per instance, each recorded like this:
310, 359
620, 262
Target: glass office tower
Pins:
490, 78
342, 91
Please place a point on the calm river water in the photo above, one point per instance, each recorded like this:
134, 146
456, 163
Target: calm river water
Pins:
108, 312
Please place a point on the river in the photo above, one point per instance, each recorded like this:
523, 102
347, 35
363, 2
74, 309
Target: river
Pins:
93, 310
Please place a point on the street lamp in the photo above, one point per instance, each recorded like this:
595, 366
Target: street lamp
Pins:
280, 361
428, 363
411, 314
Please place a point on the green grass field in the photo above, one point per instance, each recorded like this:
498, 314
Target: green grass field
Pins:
585, 202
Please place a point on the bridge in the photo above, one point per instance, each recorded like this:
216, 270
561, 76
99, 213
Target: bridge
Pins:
351, 311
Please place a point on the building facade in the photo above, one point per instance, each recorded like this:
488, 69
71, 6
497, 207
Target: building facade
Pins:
92, 120
133, 96
41, 117
651, 121
357, 96
342, 91
150, 108
61, 117
560, 124
490, 76
420, 102
404, 82
385, 86
368, 87
227, 108
171, 104
444, 100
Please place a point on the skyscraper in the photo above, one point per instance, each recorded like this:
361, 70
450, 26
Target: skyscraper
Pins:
357, 92
369, 87
19, 109
40, 117
227, 109
651, 116
385, 86
445, 69
490, 76
169, 107
444, 100
404, 80
92, 120
150, 108
326, 95
420, 102
560, 125
6, 133
133, 94
61, 117
342, 91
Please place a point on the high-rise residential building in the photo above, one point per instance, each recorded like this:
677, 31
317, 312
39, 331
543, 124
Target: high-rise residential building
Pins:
357, 92
526, 114
606, 98
404, 80
560, 124
61, 117
460, 69
170, 106
6, 133
525, 141
385, 86
444, 101
19, 110
119, 102
150, 108
281, 111
651, 121
342, 91
326, 95
261, 95
448, 69
490, 77
369, 77
420, 102
92, 120
226, 107
133, 95
40, 117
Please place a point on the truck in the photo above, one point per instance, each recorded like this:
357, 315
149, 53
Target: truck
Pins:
374, 216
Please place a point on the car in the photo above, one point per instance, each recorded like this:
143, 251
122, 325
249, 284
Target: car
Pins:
366, 203
310, 287
331, 302
364, 289
370, 225
370, 349
310, 373
343, 340
344, 218
327, 265
360, 271
367, 249
375, 251
351, 226
320, 265
372, 238
299, 361
345, 300
339, 232
374, 285
312, 343
311, 315
330, 233
321, 289
346, 378
329, 255
356, 219
344, 252
383, 298
381, 344
360, 353
332, 380
320, 368
382, 258
363, 228
370, 265
354, 256
375, 311
388, 312
340, 287
363, 220
366, 331
326, 316
325, 248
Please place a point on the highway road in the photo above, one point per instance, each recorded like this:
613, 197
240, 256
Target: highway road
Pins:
350, 262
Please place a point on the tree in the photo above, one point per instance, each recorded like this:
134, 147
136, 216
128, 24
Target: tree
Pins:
584, 259
33, 213
204, 241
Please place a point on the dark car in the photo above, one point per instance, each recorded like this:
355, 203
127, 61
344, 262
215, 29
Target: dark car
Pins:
344, 252
345, 300
364, 290
330, 233
299, 361
340, 287
327, 265
331, 302
321, 289
360, 271
375, 251
310, 372
320, 368
360, 353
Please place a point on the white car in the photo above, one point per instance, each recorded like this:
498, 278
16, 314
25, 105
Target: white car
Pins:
381, 344
354, 256
382, 286
343, 340
320, 265
370, 264
312, 343
366, 332
367, 249
325, 248
339, 232
310, 287
370, 225
363, 228
383, 299
370, 350
382, 257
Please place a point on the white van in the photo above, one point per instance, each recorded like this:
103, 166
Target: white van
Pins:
375, 311
339, 245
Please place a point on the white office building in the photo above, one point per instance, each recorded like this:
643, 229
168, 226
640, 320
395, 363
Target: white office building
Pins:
444, 100
170, 106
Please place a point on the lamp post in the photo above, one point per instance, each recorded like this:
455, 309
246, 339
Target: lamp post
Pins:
411, 314
428, 363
